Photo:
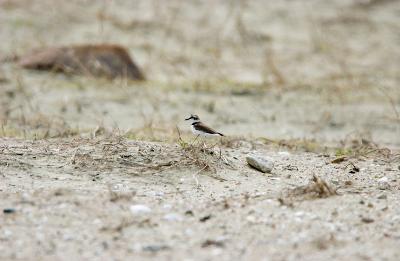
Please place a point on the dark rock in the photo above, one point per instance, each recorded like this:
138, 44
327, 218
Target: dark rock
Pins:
205, 218
367, 220
110, 61
9, 210
189, 213
210, 242
348, 182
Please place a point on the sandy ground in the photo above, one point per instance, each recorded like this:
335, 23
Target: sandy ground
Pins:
303, 82
73, 200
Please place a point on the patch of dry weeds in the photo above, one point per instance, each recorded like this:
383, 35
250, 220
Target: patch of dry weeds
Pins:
316, 188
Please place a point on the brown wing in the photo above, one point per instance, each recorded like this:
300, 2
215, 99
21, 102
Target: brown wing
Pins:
201, 127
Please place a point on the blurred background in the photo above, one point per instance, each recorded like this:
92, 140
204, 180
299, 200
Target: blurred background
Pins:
326, 71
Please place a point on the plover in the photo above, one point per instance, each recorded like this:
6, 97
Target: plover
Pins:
200, 129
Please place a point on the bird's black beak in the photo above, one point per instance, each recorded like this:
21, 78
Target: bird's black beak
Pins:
188, 118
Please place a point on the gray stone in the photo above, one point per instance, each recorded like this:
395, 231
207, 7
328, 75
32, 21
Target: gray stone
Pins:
263, 164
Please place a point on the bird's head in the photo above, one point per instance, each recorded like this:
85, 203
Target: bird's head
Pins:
193, 118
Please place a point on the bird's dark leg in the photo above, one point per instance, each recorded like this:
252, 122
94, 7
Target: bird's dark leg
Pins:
195, 140
215, 144
204, 145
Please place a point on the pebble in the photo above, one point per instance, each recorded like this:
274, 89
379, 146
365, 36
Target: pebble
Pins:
155, 248
263, 164
97, 221
67, 237
383, 196
173, 217
383, 179
139, 209
383, 183
159, 193
284, 154
167, 206
7, 233
189, 232
251, 219
396, 219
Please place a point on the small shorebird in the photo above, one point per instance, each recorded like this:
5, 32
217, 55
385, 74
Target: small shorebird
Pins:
200, 129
